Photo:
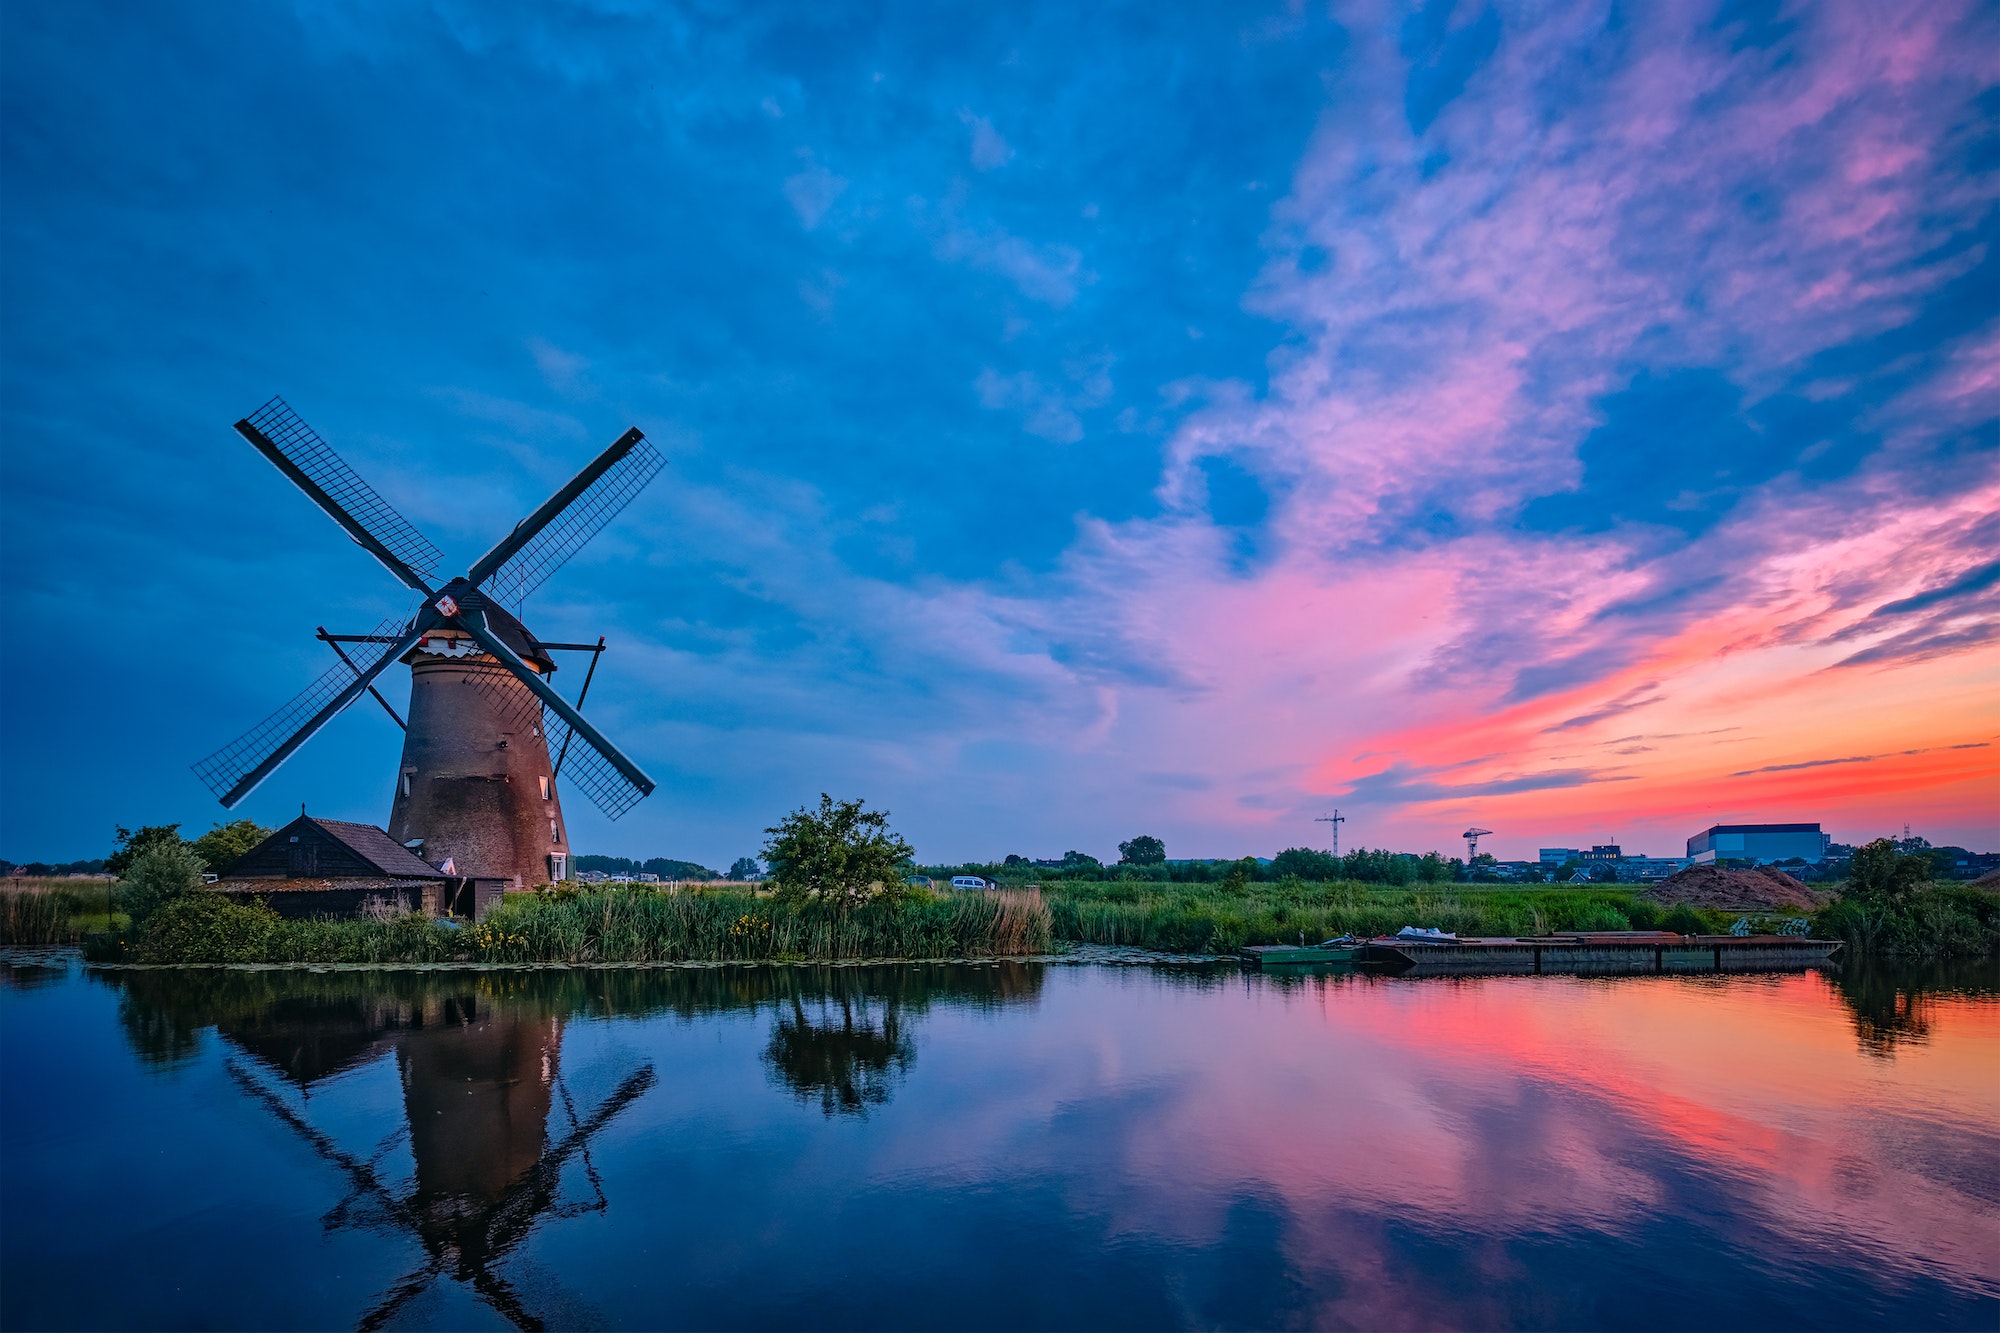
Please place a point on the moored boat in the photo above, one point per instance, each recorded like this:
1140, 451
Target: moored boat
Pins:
1341, 950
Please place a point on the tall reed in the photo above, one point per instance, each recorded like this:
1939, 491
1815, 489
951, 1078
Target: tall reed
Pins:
38, 917
608, 926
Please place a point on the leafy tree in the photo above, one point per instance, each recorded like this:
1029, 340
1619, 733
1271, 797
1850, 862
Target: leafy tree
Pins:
1144, 850
668, 868
1078, 864
225, 844
745, 867
1305, 863
610, 865
160, 873
837, 856
133, 843
1883, 872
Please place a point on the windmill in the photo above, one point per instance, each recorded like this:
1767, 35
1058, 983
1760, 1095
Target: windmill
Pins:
476, 788
1336, 819
1472, 837
464, 1235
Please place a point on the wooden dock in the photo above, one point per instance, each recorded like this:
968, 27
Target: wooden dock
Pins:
1602, 953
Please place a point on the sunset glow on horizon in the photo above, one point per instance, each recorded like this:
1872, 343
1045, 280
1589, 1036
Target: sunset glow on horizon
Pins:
1574, 420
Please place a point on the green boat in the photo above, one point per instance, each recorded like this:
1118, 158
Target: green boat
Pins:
1301, 955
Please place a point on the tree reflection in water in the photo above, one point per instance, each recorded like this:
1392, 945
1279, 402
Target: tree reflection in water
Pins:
1891, 1003
845, 1054
843, 1036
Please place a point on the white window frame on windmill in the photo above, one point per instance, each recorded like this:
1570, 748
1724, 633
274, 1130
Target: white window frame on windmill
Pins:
448, 643
545, 786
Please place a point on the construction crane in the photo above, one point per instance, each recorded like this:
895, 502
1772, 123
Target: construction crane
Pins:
1336, 819
1472, 837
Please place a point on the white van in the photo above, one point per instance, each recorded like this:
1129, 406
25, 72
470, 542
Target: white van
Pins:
970, 882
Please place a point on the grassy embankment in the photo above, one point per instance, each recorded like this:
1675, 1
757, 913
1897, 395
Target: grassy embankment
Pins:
643, 926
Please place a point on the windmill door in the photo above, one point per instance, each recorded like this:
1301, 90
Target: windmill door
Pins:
304, 860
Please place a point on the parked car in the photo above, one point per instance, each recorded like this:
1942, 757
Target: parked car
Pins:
970, 882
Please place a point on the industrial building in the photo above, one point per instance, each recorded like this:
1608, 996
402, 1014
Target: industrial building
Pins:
1760, 844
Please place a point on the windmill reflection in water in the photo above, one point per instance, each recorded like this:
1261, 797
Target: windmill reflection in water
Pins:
477, 1093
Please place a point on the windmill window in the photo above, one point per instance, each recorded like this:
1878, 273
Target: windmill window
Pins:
553, 836
406, 784
545, 789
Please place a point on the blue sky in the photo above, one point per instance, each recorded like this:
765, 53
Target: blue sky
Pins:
1157, 419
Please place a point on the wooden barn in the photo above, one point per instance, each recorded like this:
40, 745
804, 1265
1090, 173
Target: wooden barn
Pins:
327, 867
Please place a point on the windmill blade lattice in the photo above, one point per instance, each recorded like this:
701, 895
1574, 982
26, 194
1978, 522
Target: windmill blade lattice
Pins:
583, 518
221, 771
305, 450
585, 766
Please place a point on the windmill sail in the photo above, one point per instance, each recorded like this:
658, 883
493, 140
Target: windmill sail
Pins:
257, 752
302, 455
545, 541
589, 769
584, 763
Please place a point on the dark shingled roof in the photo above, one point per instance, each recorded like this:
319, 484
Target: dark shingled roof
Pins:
260, 887
383, 851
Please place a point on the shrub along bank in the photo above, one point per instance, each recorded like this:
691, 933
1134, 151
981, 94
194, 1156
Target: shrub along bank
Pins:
1890, 907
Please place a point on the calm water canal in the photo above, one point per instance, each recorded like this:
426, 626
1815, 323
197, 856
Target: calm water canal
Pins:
999, 1146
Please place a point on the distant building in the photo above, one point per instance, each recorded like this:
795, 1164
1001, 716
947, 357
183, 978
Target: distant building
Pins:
1557, 856
1759, 843
1648, 869
1603, 851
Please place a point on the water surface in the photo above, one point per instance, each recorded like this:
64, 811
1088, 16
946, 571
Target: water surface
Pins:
998, 1146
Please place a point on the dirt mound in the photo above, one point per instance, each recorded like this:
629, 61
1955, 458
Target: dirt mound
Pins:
1732, 888
1989, 880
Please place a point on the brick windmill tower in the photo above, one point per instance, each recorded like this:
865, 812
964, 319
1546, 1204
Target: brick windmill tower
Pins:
487, 734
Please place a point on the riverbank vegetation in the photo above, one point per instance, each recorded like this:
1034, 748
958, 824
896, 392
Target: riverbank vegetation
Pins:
621, 925
840, 889
641, 924
1890, 906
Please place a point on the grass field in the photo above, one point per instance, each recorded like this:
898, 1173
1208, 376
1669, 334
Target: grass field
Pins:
1215, 918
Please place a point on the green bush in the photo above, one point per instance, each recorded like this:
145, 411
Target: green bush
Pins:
204, 928
1682, 920
1952, 921
161, 873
